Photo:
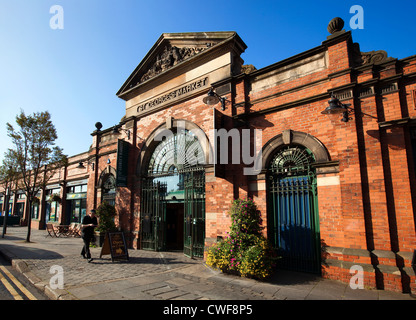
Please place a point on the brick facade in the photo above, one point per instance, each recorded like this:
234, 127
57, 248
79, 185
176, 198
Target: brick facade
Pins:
365, 173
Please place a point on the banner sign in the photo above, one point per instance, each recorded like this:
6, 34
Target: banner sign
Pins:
122, 163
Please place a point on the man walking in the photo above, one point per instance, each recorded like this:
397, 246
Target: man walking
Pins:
87, 234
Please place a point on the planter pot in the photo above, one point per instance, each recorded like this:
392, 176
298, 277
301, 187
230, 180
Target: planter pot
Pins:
99, 238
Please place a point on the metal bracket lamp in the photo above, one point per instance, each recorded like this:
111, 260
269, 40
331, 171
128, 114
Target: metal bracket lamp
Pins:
115, 131
213, 98
335, 107
80, 165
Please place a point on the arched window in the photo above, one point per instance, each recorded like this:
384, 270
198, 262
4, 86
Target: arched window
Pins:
175, 154
292, 160
108, 191
173, 159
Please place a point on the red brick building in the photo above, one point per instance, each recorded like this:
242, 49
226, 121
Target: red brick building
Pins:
335, 190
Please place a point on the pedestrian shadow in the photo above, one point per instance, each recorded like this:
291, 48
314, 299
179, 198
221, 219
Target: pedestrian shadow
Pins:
21, 252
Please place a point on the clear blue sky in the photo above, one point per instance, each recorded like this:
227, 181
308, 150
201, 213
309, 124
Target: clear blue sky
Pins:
74, 73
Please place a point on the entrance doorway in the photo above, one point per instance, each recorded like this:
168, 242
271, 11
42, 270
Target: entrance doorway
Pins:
293, 223
174, 226
173, 197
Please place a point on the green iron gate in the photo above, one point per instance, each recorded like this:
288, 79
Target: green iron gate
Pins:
194, 218
153, 216
176, 166
293, 213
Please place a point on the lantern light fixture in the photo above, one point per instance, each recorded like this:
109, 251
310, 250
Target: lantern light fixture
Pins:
116, 131
336, 107
213, 98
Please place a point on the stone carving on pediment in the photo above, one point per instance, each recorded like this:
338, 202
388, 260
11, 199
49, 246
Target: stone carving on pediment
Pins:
169, 57
248, 68
374, 57
371, 57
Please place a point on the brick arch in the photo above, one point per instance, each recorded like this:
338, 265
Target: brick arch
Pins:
170, 124
288, 137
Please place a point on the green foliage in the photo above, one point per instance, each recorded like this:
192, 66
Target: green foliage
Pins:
106, 213
245, 250
34, 157
54, 197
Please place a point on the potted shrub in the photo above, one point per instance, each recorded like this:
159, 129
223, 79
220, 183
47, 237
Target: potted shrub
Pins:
245, 251
54, 198
105, 213
35, 200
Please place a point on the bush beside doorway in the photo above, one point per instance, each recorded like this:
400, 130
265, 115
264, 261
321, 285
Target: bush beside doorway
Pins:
245, 251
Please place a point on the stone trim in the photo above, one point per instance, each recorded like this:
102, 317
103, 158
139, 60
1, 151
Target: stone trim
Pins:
294, 137
377, 254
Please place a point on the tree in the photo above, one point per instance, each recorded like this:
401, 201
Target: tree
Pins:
8, 180
35, 154
8, 172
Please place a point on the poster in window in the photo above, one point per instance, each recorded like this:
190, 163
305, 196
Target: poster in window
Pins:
53, 211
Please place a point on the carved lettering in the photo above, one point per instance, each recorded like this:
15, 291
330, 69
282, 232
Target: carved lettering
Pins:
173, 95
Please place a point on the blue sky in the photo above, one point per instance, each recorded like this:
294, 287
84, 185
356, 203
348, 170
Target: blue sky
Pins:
75, 72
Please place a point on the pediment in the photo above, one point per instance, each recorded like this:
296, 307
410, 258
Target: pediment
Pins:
172, 50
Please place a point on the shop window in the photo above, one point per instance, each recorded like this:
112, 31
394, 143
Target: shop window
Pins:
20, 209
77, 189
35, 211
52, 207
52, 211
77, 210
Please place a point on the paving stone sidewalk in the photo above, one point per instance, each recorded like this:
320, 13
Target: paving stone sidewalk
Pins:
149, 275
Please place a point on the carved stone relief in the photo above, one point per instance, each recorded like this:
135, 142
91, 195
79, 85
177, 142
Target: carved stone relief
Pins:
371, 57
168, 58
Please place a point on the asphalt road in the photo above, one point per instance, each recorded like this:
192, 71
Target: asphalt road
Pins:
14, 286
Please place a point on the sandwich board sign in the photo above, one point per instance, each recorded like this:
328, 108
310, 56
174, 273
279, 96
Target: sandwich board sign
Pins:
115, 244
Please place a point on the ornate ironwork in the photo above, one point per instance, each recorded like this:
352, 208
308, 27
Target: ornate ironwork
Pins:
153, 215
194, 218
292, 160
180, 152
179, 156
293, 223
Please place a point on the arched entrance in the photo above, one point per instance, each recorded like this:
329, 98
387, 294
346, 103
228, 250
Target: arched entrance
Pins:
293, 218
293, 213
173, 196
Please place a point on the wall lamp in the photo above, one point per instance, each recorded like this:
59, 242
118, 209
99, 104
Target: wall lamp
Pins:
335, 107
213, 98
80, 165
115, 131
